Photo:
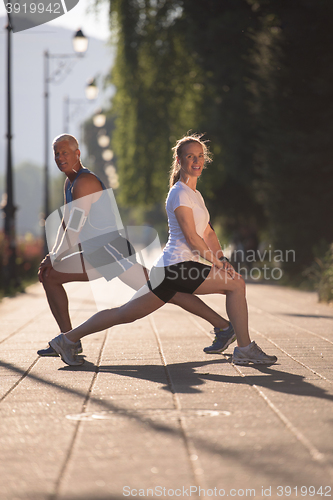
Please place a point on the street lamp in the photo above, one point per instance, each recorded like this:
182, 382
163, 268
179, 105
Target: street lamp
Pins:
107, 154
8, 207
91, 89
91, 92
80, 44
103, 140
99, 119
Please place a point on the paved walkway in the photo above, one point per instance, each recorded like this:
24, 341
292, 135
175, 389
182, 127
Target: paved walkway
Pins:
150, 415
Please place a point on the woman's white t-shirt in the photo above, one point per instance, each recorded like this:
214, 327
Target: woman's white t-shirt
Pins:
177, 249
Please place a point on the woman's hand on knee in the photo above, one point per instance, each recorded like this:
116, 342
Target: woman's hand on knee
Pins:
229, 269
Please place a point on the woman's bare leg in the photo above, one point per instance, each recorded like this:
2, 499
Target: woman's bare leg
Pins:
219, 281
143, 304
194, 305
137, 276
135, 309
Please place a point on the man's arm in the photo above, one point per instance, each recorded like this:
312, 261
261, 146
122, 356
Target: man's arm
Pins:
46, 264
86, 191
62, 226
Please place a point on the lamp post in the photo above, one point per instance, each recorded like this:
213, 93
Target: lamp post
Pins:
80, 44
8, 207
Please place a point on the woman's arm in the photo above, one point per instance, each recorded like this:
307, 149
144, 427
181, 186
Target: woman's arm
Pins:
212, 241
184, 216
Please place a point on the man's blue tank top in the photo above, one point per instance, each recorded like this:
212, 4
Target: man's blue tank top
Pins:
70, 186
102, 224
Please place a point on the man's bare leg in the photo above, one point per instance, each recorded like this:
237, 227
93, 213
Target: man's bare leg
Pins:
57, 296
53, 282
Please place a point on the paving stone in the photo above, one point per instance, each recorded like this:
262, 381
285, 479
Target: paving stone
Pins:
150, 414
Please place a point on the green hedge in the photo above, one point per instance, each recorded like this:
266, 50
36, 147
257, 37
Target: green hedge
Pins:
320, 274
28, 256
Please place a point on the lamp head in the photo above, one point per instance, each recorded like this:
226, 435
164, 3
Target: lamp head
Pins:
80, 42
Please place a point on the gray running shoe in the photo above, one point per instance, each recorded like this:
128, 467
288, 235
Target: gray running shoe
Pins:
68, 352
222, 340
253, 355
49, 352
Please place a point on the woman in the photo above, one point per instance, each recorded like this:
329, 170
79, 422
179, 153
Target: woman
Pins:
179, 269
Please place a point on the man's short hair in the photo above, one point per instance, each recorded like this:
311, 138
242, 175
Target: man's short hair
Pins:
66, 137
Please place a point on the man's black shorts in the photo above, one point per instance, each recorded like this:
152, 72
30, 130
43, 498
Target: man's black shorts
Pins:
112, 259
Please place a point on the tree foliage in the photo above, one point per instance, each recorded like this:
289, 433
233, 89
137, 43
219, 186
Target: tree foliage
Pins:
256, 76
156, 95
293, 89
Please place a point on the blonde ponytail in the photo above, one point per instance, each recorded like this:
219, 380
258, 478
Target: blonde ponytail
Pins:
174, 173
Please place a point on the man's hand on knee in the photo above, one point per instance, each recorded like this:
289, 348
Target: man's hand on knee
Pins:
44, 268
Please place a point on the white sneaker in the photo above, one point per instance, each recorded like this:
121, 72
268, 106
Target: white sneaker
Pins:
67, 351
253, 354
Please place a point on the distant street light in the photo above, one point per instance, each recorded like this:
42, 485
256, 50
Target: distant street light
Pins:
99, 119
107, 155
80, 44
8, 207
91, 89
112, 176
103, 140
77, 104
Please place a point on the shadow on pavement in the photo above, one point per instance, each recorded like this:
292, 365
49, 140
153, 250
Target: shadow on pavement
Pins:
317, 316
185, 378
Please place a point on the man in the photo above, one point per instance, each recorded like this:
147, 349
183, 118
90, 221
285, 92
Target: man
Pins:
89, 244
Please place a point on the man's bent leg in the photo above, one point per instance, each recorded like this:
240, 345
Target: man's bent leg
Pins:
56, 293
57, 296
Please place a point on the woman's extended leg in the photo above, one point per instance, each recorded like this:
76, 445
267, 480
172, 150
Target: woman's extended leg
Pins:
135, 309
137, 276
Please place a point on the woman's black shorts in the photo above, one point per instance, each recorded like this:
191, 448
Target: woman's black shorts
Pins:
184, 277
